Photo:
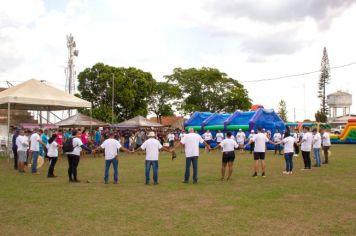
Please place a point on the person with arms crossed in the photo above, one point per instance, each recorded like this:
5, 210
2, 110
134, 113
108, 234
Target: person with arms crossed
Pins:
152, 147
191, 143
259, 152
306, 146
326, 144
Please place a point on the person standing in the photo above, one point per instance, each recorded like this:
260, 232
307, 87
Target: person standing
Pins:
45, 139
74, 155
316, 147
296, 137
219, 137
139, 139
288, 142
326, 145
112, 148
14, 147
22, 143
277, 137
59, 141
152, 147
306, 146
35, 141
97, 137
228, 146
259, 152
52, 154
208, 137
171, 138
240, 139
250, 137
191, 143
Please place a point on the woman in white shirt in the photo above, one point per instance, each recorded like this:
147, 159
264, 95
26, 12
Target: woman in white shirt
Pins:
52, 154
288, 142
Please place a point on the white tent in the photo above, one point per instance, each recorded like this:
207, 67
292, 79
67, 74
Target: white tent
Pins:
136, 122
38, 96
80, 120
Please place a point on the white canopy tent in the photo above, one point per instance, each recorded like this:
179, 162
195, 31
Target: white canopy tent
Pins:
38, 96
136, 122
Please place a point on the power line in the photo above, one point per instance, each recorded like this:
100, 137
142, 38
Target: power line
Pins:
296, 75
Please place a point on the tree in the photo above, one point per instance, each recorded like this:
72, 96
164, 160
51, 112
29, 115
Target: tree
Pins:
132, 90
320, 116
323, 81
208, 89
282, 110
162, 99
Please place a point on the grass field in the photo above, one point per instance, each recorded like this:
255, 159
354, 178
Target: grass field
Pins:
317, 202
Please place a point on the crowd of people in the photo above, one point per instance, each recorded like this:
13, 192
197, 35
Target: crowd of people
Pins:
74, 143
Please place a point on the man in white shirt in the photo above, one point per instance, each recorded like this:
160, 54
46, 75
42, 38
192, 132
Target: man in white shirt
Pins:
191, 143
325, 137
208, 137
112, 148
228, 146
35, 141
171, 138
219, 137
22, 144
306, 146
250, 137
74, 155
277, 137
316, 147
240, 139
152, 147
259, 153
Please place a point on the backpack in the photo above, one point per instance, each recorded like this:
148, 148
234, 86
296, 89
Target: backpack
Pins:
68, 145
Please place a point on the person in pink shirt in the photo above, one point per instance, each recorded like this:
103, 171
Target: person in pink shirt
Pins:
59, 141
85, 140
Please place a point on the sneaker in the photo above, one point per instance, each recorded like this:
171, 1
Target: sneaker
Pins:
147, 183
263, 175
155, 183
185, 182
255, 175
290, 172
285, 172
295, 155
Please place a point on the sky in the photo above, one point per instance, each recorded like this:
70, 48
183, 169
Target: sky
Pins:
248, 40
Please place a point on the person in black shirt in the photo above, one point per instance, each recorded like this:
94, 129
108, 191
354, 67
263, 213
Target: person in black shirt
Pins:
14, 147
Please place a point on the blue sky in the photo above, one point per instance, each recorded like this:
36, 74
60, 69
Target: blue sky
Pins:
246, 39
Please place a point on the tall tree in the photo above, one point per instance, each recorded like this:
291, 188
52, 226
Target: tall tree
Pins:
323, 81
208, 89
132, 90
282, 110
163, 100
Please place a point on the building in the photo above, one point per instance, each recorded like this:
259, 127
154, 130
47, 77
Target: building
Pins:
175, 122
336, 101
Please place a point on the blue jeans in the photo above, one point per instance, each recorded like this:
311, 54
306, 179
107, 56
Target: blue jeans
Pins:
34, 161
148, 165
188, 161
289, 161
115, 163
317, 156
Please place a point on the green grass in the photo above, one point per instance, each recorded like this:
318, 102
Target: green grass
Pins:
317, 202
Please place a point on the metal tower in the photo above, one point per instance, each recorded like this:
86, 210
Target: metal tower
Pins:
70, 69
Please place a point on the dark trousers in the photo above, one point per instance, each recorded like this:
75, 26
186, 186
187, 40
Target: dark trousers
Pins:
306, 159
277, 147
52, 164
14, 150
296, 148
188, 162
73, 161
252, 147
326, 154
289, 161
154, 165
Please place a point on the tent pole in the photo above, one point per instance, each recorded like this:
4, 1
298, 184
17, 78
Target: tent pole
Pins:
8, 129
91, 118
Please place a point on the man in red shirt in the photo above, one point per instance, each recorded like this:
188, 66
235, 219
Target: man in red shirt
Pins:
59, 141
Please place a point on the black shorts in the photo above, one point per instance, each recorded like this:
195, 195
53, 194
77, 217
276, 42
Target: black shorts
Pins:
171, 143
259, 156
208, 142
228, 157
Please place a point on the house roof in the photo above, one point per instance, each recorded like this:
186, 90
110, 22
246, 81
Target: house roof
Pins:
168, 120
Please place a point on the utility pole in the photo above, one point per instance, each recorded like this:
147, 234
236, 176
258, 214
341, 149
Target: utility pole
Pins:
112, 99
70, 69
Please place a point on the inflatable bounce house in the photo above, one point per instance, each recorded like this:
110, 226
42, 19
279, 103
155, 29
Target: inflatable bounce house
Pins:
247, 121
348, 135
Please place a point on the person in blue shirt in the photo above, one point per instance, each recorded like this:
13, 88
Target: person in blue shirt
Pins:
97, 137
67, 134
44, 138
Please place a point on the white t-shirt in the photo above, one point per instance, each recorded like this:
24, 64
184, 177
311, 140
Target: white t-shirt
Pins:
260, 140
52, 149
251, 136
207, 136
22, 143
181, 136
77, 142
326, 139
170, 137
191, 142
152, 147
277, 137
288, 144
296, 137
307, 144
111, 147
228, 145
35, 146
219, 137
317, 141
240, 137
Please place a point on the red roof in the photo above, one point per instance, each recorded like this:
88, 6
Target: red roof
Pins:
168, 120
